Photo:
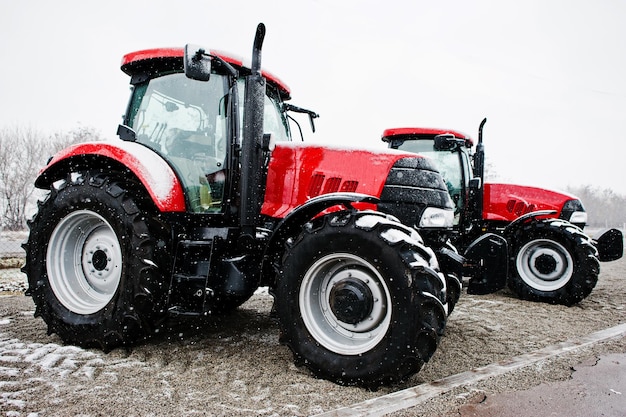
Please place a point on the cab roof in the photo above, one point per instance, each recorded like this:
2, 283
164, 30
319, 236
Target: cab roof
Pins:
423, 133
172, 58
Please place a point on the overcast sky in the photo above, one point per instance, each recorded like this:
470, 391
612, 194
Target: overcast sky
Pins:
550, 76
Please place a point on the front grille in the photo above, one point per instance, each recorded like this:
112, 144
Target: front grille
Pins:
412, 185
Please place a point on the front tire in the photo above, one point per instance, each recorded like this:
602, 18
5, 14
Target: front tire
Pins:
92, 263
357, 300
454, 287
552, 261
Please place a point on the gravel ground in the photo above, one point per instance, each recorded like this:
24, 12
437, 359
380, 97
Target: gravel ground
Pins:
234, 366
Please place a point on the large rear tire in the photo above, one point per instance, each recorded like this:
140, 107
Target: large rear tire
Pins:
552, 261
357, 299
92, 263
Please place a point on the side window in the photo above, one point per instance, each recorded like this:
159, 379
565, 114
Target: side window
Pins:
274, 120
185, 121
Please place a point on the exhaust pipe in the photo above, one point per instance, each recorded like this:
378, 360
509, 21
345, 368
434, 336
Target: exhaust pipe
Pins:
252, 187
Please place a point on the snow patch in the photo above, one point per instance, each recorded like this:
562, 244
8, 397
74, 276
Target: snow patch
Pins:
54, 364
149, 262
262, 291
4, 371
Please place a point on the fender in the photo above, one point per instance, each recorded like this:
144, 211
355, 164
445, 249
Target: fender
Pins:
610, 245
487, 264
511, 227
291, 224
485, 261
153, 172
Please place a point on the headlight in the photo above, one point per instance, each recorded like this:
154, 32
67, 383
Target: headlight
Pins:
436, 217
578, 217
574, 212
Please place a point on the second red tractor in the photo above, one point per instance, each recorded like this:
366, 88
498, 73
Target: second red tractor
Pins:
551, 259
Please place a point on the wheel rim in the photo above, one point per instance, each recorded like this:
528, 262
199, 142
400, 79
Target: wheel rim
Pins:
84, 262
345, 304
545, 264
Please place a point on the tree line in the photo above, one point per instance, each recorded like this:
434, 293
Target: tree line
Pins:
604, 207
24, 150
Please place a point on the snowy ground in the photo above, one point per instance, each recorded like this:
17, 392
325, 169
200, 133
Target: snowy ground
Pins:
234, 365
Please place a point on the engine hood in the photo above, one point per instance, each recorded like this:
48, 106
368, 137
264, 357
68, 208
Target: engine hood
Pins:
507, 202
298, 172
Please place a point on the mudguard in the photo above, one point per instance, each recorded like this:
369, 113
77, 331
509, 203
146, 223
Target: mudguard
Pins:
151, 170
293, 222
610, 245
307, 211
487, 264
529, 216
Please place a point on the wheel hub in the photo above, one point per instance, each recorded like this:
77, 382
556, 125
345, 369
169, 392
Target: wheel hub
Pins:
545, 264
99, 260
351, 301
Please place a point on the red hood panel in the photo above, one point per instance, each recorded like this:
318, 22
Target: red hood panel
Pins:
298, 172
507, 202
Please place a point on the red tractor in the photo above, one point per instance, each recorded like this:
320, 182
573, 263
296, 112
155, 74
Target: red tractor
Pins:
205, 199
550, 258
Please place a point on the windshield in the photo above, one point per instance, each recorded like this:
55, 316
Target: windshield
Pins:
185, 121
171, 109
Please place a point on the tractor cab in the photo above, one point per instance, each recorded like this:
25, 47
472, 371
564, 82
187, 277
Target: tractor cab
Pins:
196, 125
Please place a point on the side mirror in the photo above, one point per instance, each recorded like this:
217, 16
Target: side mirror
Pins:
126, 133
197, 63
395, 143
446, 142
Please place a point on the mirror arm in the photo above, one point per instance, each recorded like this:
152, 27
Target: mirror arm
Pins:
296, 109
231, 70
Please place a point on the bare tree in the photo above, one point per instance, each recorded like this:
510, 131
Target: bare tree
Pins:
62, 139
23, 152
